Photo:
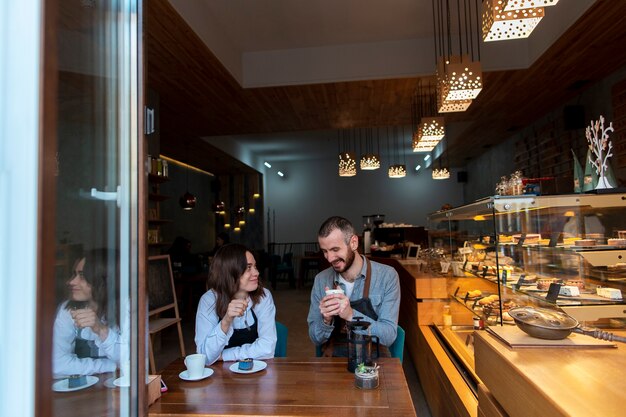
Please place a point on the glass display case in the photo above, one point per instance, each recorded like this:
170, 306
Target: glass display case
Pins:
565, 252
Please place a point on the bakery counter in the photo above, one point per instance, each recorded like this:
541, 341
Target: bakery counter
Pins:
424, 295
552, 381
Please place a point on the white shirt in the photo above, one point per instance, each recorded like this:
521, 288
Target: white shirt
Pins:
65, 361
211, 340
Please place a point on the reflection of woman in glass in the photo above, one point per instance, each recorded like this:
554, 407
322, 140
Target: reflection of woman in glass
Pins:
86, 337
236, 317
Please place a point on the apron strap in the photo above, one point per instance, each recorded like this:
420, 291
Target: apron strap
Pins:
368, 278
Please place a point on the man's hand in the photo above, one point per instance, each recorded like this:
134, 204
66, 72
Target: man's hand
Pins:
335, 305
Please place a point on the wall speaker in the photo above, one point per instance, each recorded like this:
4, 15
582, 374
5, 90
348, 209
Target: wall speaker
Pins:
573, 117
461, 176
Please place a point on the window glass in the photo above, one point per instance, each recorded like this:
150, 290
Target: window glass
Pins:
96, 140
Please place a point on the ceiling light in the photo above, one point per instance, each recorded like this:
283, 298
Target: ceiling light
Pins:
370, 162
267, 164
347, 165
187, 201
441, 174
459, 73
427, 157
463, 78
280, 174
500, 24
397, 171
417, 168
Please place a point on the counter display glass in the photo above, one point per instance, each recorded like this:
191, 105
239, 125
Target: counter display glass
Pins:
565, 252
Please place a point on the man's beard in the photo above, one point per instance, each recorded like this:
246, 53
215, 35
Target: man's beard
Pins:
347, 262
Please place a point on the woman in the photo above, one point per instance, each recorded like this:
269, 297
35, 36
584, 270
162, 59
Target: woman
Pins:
236, 317
86, 338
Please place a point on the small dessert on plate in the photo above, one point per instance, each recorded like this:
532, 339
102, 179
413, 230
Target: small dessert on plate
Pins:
617, 242
246, 364
585, 242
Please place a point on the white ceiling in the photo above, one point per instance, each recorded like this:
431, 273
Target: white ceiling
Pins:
289, 42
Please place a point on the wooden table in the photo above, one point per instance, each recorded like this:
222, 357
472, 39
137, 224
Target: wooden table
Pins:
300, 387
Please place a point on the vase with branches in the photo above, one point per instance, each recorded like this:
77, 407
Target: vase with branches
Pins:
600, 146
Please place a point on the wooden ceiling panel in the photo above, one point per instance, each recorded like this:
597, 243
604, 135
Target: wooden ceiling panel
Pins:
198, 97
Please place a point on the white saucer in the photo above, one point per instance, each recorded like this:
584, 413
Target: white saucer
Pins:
62, 385
122, 382
256, 367
207, 373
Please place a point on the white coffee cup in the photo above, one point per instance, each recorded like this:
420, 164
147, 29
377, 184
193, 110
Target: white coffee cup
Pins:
195, 365
334, 291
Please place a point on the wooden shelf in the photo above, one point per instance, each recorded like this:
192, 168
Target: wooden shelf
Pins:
160, 244
159, 221
158, 197
157, 178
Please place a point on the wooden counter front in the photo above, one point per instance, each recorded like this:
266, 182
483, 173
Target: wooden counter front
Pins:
553, 381
309, 387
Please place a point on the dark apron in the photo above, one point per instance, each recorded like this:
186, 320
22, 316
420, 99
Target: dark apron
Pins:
337, 344
244, 336
86, 348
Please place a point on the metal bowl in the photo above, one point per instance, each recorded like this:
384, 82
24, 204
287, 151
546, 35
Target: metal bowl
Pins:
543, 323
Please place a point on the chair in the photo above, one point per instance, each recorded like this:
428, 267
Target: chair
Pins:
396, 349
278, 268
161, 299
281, 340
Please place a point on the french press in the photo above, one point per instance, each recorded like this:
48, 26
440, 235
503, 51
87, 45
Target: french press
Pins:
360, 343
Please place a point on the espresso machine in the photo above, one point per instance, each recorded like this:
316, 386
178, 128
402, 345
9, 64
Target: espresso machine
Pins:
368, 225
370, 222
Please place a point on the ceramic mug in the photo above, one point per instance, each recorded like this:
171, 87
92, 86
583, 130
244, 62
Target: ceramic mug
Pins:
195, 365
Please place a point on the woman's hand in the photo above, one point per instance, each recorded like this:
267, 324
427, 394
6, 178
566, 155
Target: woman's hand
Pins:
236, 308
87, 317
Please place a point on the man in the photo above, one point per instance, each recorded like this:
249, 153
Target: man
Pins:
371, 291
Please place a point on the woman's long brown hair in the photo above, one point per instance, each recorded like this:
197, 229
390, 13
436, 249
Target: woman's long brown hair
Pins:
101, 271
227, 266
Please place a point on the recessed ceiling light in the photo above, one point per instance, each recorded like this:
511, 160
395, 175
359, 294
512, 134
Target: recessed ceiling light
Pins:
427, 157
281, 174
267, 164
417, 168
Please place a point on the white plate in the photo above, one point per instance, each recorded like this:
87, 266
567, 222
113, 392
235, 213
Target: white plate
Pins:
206, 373
122, 382
256, 367
62, 385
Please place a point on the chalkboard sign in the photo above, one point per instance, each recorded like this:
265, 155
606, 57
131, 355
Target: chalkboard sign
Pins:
160, 284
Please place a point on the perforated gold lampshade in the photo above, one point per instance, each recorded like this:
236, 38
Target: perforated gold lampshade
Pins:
397, 171
500, 23
441, 174
347, 165
508, 5
370, 162
431, 128
419, 144
463, 78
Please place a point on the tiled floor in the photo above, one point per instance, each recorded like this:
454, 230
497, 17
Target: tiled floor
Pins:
292, 307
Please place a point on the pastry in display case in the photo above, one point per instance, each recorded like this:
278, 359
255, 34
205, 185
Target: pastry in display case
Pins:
563, 252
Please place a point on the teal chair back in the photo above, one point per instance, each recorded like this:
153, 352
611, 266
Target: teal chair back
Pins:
281, 341
396, 349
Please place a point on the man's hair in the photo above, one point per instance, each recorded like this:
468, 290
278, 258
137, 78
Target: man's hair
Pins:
337, 222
